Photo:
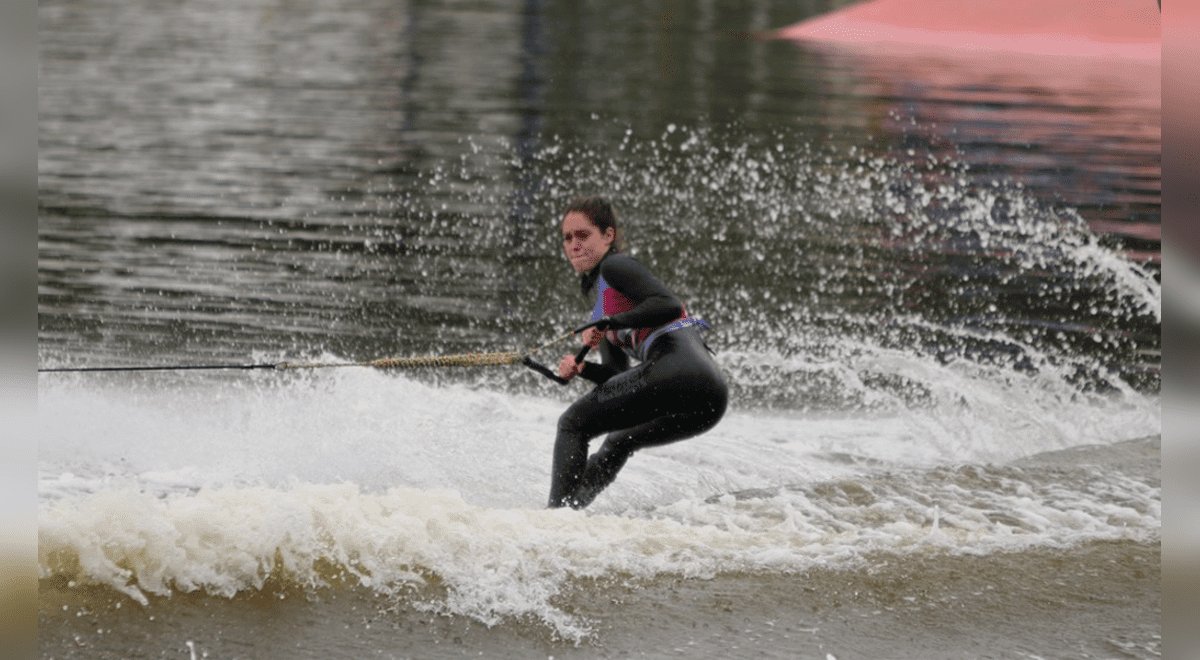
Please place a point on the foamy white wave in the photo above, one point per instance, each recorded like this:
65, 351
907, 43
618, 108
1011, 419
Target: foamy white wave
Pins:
378, 430
936, 412
434, 494
499, 563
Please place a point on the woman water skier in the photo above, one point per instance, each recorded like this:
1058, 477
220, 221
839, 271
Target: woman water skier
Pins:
675, 392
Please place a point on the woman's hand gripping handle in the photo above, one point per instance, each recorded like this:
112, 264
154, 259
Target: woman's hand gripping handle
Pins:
593, 333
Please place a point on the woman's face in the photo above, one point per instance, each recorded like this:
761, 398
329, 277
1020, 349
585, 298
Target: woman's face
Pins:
583, 241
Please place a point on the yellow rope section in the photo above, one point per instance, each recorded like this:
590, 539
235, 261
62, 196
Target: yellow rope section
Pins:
458, 360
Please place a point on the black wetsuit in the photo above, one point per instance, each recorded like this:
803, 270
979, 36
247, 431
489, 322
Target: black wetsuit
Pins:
675, 392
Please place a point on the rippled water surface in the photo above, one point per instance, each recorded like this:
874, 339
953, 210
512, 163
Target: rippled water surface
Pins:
218, 181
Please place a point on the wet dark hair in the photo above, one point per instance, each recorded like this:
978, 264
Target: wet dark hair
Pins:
600, 212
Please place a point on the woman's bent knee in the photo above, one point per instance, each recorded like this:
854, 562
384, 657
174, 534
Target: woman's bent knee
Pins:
571, 422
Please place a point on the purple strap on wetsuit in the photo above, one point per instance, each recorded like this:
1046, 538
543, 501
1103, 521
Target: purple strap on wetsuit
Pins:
644, 349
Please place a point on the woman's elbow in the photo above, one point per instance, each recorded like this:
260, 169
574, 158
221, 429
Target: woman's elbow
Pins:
674, 307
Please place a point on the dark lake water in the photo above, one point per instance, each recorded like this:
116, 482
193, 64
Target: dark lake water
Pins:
219, 181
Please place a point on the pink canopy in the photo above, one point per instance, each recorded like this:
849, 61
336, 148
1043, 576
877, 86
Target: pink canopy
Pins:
1126, 28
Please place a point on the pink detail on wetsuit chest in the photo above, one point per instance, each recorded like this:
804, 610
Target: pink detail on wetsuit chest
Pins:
614, 302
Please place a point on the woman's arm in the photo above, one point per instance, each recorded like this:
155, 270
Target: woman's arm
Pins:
612, 362
654, 304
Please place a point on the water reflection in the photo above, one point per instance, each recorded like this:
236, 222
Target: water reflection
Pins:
1062, 98
1090, 140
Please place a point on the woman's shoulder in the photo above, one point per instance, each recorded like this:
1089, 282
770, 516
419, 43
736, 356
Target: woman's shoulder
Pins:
630, 276
619, 263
